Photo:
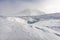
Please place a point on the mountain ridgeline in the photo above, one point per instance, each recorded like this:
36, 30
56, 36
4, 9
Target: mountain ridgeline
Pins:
34, 19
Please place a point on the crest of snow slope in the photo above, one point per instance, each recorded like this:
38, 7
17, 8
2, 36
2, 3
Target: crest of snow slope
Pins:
44, 17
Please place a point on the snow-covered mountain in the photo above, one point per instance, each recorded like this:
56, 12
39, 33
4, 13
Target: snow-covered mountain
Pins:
23, 28
29, 12
34, 19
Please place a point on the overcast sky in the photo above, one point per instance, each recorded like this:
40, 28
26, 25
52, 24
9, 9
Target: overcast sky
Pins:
15, 6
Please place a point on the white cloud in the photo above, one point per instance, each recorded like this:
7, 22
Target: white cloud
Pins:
12, 7
51, 6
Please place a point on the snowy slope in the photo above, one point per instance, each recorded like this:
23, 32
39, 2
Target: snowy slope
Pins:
18, 28
14, 30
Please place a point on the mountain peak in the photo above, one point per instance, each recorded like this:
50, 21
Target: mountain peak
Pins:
30, 12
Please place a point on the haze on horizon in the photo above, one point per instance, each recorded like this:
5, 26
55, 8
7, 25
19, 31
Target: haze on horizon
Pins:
11, 7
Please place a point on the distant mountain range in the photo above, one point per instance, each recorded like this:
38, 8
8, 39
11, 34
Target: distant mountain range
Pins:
32, 19
25, 12
30, 12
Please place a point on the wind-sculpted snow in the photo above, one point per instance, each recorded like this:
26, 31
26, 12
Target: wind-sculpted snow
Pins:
45, 17
30, 27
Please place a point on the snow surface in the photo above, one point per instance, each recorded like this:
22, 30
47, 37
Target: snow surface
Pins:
18, 28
